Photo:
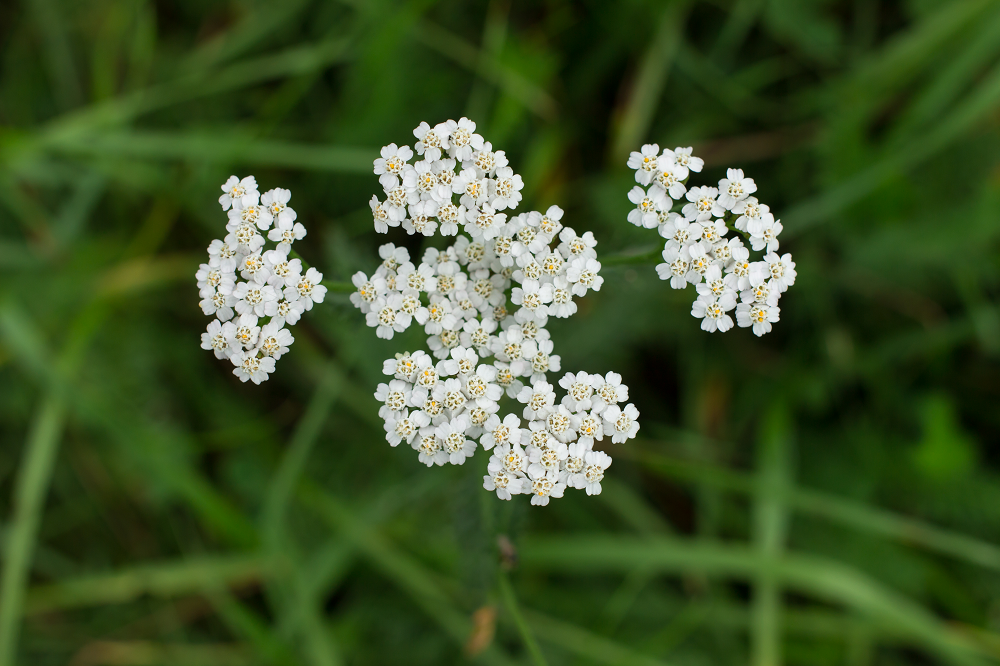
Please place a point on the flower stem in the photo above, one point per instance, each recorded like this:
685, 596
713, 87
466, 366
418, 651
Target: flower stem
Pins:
339, 287
624, 258
507, 592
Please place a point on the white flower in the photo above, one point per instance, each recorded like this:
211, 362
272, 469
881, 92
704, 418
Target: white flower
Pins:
497, 432
645, 163
253, 267
562, 304
781, 270
575, 464
276, 202
463, 361
405, 366
390, 166
245, 239
596, 463
547, 458
682, 157
646, 205
253, 215
392, 256
307, 288
712, 231
479, 336
590, 427
703, 203
286, 231
539, 400
712, 312
239, 192
741, 268
440, 316
462, 138
421, 218
218, 304
453, 439
669, 178
677, 267
449, 215
750, 213
717, 286
281, 269
506, 189
764, 236
284, 310
222, 256
574, 246
481, 386
215, 340
760, 291
511, 347
241, 333
386, 315
735, 188
429, 142
214, 279
394, 396
579, 391
608, 390
430, 447
483, 224
429, 400
420, 278
560, 424
506, 469
583, 274
545, 486
550, 224
274, 339
622, 424
403, 426
454, 397
385, 215
532, 296
758, 315
249, 367
368, 290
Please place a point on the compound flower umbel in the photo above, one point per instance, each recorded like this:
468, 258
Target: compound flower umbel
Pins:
696, 221
484, 302
250, 285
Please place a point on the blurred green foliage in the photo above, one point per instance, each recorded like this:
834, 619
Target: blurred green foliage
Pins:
826, 495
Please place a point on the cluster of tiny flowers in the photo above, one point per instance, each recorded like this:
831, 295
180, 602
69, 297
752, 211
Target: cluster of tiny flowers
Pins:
696, 221
484, 302
252, 287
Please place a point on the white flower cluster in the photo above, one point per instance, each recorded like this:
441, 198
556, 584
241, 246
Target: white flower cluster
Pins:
484, 346
253, 291
695, 221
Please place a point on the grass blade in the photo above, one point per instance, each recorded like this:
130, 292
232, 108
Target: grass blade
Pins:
32, 487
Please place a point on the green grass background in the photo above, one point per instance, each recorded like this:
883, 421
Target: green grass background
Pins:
829, 494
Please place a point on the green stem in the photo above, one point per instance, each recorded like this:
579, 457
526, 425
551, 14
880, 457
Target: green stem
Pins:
507, 592
32, 487
339, 287
626, 258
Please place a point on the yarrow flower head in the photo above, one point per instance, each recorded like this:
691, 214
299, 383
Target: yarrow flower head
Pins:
253, 291
696, 222
484, 302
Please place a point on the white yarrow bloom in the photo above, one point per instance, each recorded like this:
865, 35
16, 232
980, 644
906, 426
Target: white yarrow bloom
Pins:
645, 163
241, 193
488, 294
697, 250
621, 424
